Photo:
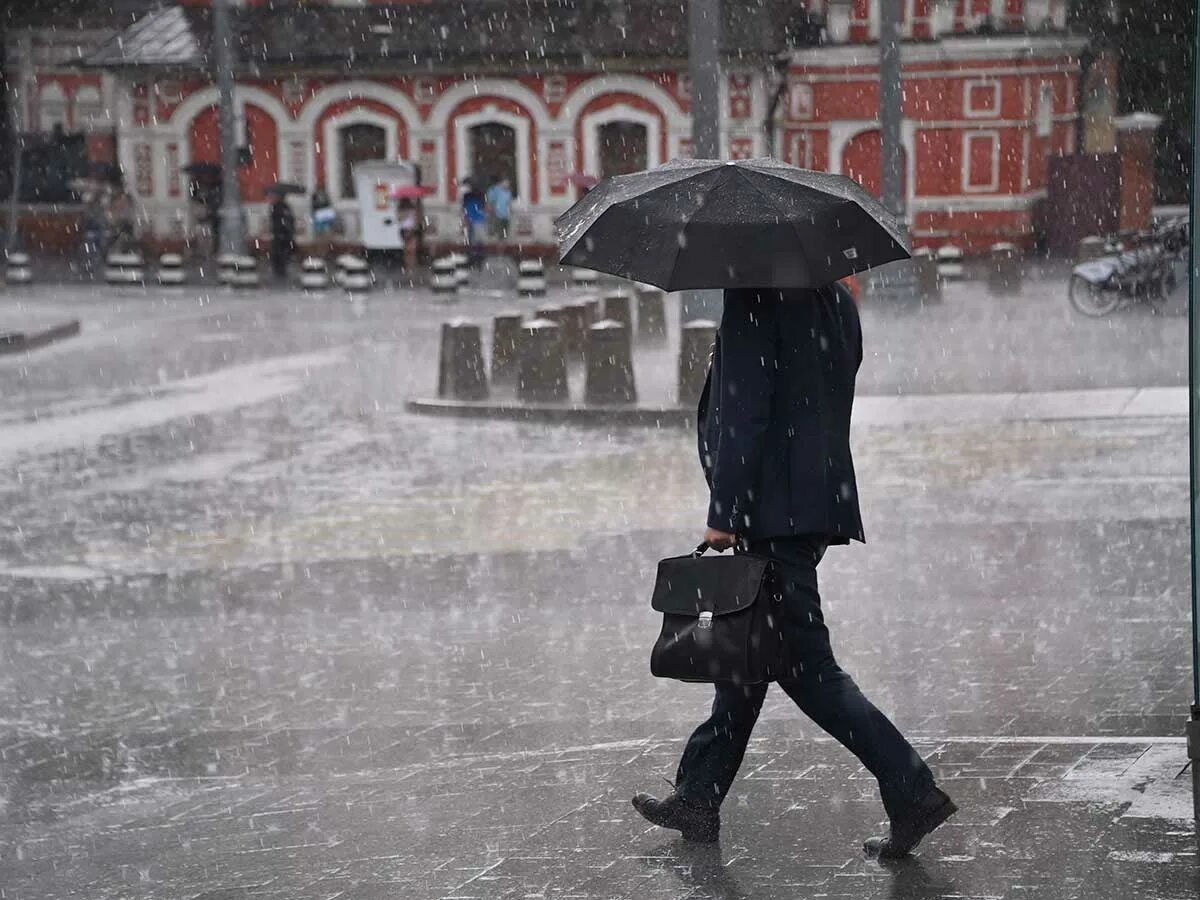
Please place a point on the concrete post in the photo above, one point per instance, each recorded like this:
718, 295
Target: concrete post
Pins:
695, 347
929, 282
233, 223
542, 371
1004, 269
575, 319
609, 364
651, 315
617, 306
506, 339
704, 72
460, 372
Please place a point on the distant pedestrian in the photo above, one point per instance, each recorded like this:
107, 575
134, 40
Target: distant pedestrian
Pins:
474, 206
774, 441
324, 219
120, 223
283, 235
499, 202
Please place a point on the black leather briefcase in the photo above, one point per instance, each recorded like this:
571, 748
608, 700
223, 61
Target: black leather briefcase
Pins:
721, 619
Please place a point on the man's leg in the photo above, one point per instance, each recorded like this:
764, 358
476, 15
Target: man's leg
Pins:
828, 695
715, 750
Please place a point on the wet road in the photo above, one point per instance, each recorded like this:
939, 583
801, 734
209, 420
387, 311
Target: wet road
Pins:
267, 634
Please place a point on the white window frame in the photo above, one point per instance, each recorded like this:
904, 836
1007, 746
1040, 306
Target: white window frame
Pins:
621, 112
1044, 116
87, 109
54, 107
333, 145
994, 136
462, 145
992, 112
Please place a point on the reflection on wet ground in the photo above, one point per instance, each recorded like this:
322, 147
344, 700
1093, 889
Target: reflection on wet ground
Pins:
266, 634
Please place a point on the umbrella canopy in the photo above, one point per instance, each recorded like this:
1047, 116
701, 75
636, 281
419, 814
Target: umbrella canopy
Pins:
710, 224
411, 192
283, 188
204, 171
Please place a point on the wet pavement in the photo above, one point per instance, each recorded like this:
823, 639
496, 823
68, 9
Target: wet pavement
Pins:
265, 634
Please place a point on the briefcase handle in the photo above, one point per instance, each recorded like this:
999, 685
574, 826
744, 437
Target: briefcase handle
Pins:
700, 550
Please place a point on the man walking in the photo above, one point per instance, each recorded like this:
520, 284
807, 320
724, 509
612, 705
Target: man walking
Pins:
774, 440
283, 235
499, 201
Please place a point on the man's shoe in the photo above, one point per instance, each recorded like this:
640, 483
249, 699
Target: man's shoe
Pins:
931, 811
696, 824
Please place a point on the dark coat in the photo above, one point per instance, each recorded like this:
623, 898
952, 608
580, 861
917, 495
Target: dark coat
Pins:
774, 418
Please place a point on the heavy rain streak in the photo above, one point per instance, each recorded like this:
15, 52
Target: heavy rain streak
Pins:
598, 450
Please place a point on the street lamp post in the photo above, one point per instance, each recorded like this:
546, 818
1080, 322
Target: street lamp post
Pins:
896, 283
232, 222
1193, 727
704, 71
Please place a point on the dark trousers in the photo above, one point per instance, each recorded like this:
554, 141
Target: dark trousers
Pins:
281, 254
816, 684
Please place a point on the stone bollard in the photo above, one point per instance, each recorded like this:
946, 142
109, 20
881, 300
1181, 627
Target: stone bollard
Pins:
461, 374
445, 278
506, 344
237, 271
651, 315
124, 269
929, 282
550, 311
314, 274
1004, 269
584, 278
695, 347
19, 268
531, 277
354, 274
950, 263
1090, 247
170, 270
617, 306
575, 321
462, 269
542, 365
609, 364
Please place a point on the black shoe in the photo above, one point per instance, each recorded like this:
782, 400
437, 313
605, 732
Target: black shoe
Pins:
932, 810
696, 824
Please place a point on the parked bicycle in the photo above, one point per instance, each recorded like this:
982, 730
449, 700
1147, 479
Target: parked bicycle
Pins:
1140, 267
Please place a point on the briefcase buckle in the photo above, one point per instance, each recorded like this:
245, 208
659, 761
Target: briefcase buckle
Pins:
705, 620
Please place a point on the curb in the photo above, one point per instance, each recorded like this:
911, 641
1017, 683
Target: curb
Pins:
557, 413
21, 342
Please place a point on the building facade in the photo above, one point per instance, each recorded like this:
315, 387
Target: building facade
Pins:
592, 87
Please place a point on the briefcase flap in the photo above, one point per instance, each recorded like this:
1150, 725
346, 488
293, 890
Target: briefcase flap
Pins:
690, 585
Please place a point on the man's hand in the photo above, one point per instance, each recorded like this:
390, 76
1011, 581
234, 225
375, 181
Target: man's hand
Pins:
719, 540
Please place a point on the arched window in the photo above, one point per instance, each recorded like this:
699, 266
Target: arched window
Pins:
493, 153
624, 147
52, 107
90, 115
358, 143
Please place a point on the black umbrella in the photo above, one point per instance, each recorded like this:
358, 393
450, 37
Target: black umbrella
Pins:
204, 171
283, 188
709, 224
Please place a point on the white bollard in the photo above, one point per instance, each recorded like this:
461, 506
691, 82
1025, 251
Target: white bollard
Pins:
950, 263
19, 269
170, 270
124, 269
462, 268
314, 274
531, 277
353, 274
237, 271
445, 277
584, 278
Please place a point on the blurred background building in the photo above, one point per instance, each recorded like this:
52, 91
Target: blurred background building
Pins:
1011, 128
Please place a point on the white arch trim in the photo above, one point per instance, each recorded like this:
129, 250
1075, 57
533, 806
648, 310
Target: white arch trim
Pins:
842, 133
619, 113
196, 103
332, 146
462, 144
489, 87
390, 97
656, 94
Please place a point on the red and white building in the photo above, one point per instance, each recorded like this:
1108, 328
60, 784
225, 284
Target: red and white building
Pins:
595, 87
